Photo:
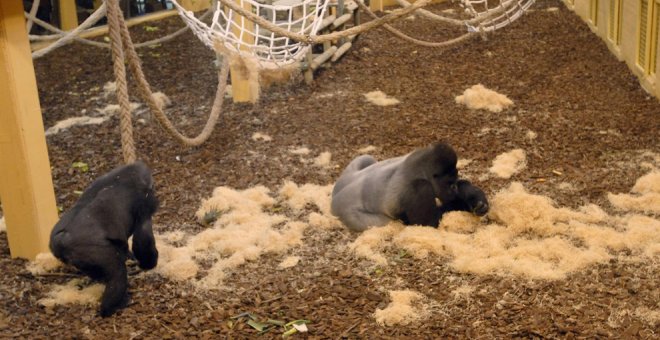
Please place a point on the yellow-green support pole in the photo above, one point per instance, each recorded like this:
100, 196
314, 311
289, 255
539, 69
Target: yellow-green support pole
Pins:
26, 185
195, 5
68, 15
240, 85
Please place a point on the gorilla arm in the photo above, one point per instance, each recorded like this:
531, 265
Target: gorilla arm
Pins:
418, 206
144, 246
470, 198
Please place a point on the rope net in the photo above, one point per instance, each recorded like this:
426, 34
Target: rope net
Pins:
282, 32
244, 37
510, 11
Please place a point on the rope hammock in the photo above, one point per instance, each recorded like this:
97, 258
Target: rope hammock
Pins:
511, 10
241, 36
282, 33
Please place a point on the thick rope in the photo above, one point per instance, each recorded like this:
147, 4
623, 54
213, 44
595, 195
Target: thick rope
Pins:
408, 38
472, 22
125, 121
93, 19
147, 95
60, 34
33, 12
123, 50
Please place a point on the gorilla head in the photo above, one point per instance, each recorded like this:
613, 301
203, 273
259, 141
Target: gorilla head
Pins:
469, 198
474, 198
436, 165
93, 234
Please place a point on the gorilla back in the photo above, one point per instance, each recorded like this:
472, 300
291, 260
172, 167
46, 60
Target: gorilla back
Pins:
370, 193
93, 235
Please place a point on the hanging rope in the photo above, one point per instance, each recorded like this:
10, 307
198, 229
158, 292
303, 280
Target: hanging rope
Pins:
89, 22
408, 38
125, 123
147, 95
124, 50
33, 12
65, 37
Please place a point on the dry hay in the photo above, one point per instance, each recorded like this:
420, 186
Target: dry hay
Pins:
463, 163
478, 97
527, 236
114, 109
323, 160
109, 88
406, 307
104, 115
290, 261
330, 94
367, 149
565, 186
649, 316
381, 99
300, 151
43, 263
260, 136
75, 291
279, 75
463, 292
161, 99
531, 135
509, 163
645, 195
67, 123
373, 240
297, 197
249, 223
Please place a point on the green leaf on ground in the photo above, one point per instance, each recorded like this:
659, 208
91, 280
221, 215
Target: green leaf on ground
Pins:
258, 325
80, 165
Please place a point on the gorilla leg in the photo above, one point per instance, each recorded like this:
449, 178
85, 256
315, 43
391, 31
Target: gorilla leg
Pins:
115, 294
144, 246
354, 166
359, 163
355, 217
358, 220
106, 263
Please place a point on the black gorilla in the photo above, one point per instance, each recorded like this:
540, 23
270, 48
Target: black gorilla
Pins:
469, 198
93, 235
407, 188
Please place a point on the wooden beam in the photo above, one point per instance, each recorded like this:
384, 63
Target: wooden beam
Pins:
195, 5
26, 186
241, 89
101, 30
68, 15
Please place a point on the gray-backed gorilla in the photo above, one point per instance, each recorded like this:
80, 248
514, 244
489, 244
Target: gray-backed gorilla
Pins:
370, 193
93, 234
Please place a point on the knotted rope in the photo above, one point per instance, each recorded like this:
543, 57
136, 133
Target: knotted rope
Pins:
124, 50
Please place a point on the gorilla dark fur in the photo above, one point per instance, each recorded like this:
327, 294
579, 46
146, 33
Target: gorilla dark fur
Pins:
469, 198
370, 193
93, 235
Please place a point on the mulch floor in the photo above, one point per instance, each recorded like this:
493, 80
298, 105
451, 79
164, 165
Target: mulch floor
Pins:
593, 123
